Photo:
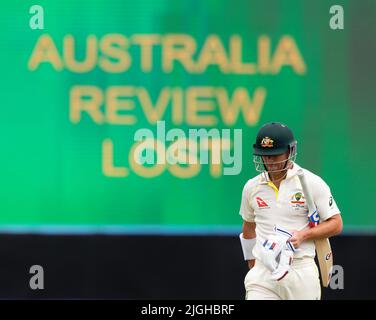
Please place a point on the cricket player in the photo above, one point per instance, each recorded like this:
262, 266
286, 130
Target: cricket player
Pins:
276, 238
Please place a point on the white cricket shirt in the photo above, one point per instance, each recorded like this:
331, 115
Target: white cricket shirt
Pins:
267, 206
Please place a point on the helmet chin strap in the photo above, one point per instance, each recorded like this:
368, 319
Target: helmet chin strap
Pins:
280, 178
284, 169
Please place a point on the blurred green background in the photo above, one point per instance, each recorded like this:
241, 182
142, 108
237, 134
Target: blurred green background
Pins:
52, 167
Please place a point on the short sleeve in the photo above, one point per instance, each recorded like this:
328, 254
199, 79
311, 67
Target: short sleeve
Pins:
323, 198
246, 210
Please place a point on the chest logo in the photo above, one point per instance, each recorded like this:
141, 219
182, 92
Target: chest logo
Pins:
261, 203
297, 198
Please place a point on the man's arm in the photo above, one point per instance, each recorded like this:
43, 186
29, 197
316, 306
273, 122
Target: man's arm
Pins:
249, 232
325, 229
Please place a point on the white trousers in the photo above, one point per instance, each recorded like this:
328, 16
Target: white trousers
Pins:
301, 283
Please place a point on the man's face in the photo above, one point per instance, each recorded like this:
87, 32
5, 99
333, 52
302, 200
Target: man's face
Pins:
275, 163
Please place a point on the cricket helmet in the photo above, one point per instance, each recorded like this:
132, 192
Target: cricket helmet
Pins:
273, 139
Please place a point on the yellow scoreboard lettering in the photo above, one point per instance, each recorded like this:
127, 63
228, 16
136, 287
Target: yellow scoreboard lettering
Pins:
204, 106
111, 53
198, 105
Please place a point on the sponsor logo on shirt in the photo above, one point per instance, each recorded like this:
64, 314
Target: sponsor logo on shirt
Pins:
297, 201
261, 203
298, 198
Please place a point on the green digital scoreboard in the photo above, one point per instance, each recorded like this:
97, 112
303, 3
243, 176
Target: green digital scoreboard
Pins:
105, 85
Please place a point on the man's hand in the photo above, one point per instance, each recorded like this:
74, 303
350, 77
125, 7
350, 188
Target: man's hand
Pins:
297, 238
251, 263
325, 229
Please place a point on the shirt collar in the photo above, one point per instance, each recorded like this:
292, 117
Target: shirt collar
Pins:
293, 172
